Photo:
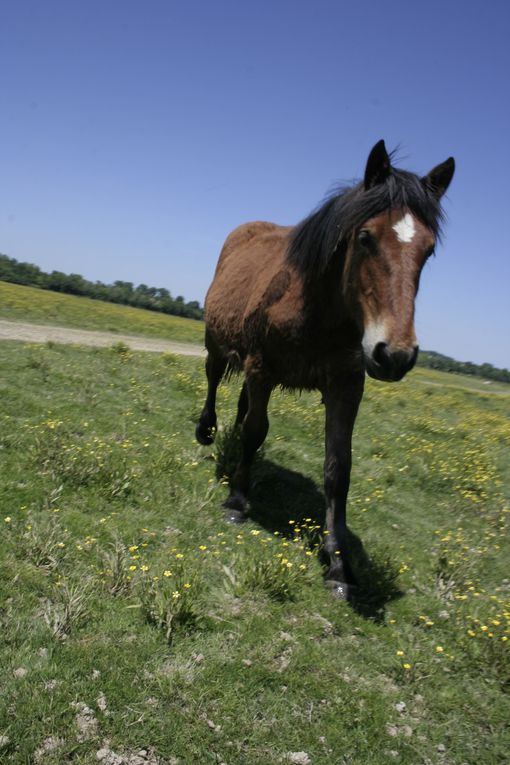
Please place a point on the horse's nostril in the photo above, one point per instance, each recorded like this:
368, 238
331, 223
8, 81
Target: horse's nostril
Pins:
380, 354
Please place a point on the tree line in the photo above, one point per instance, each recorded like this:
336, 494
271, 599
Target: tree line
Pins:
434, 360
142, 296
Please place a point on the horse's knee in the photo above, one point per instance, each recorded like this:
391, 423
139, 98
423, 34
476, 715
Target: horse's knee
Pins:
255, 428
242, 406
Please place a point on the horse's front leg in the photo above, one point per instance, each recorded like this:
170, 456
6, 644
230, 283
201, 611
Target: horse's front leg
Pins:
341, 398
254, 426
215, 366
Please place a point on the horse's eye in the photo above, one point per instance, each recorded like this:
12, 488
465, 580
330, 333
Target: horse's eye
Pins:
364, 236
431, 251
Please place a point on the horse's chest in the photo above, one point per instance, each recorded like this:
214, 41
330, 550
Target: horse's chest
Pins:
308, 367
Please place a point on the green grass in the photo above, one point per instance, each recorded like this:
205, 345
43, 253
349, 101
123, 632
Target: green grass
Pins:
19, 303
134, 618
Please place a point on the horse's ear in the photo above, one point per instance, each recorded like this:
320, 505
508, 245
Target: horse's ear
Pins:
378, 166
438, 180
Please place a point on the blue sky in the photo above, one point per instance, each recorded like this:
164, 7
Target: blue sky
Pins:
135, 135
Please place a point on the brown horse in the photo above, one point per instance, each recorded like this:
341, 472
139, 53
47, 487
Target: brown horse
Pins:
314, 306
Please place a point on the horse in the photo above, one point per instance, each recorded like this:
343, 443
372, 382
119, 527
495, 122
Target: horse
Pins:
316, 306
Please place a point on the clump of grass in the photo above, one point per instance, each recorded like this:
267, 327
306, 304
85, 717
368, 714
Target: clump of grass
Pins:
38, 362
263, 574
122, 350
89, 393
497, 656
43, 542
116, 572
168, 461
269, 565
451, 573
172, 601
227, 448
485, 640
169, 359
9, 440
52, 499
482, 616
67, 610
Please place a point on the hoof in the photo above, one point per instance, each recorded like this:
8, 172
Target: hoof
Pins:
234, 516
205, 435
236, 509
341, 590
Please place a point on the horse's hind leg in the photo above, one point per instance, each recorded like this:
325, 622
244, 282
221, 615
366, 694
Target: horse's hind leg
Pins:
254, 400
242, 406
215, 366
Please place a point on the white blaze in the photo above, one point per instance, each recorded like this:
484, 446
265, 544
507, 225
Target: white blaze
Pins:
375, 332
405, 228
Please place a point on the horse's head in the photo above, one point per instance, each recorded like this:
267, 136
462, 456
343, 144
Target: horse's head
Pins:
387, 254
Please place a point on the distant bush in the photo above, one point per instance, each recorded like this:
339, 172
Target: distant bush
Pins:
151, 298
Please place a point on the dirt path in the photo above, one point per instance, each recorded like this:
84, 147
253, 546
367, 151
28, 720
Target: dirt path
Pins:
41, 333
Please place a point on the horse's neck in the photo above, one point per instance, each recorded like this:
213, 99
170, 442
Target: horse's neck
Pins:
328, 312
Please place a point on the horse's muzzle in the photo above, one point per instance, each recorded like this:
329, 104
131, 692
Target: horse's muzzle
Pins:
390, 365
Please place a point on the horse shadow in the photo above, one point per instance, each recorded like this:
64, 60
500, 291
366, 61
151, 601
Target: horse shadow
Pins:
279, 495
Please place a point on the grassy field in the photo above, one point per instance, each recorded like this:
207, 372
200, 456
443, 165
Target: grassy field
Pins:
19, 303
138, 628
456, 381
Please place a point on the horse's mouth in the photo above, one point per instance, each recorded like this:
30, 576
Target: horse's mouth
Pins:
394, 368
375, 371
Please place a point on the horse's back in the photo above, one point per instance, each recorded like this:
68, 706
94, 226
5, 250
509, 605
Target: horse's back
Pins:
252, 268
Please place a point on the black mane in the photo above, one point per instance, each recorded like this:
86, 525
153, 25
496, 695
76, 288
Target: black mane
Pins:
318, 237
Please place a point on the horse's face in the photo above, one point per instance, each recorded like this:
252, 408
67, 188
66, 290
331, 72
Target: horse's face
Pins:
391, 250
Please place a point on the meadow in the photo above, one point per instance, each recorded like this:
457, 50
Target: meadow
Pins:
139, 628
20, 303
